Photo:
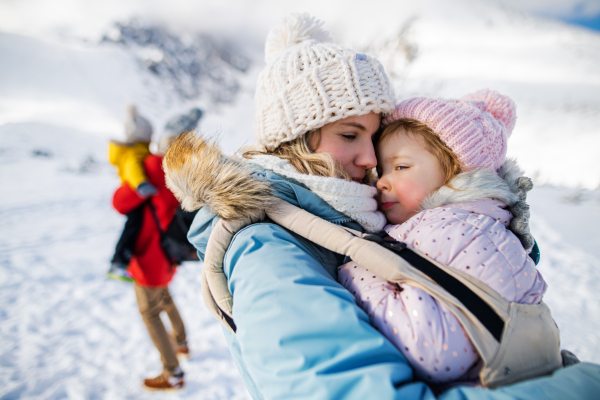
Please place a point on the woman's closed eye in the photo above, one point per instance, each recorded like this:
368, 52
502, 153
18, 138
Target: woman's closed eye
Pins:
348, 136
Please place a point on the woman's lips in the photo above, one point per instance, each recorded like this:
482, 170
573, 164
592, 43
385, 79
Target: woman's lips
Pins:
385, 206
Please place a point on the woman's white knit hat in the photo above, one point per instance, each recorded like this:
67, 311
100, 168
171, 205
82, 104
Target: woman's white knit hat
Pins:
310, 81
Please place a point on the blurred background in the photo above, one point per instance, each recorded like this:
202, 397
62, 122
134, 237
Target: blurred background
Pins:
68, 68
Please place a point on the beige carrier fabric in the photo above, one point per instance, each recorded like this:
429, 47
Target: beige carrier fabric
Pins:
215, 292
530, 347
530, 343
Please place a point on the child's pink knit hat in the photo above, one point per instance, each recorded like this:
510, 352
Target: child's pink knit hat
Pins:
476, 127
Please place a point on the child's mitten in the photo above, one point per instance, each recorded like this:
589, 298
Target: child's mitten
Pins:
519, 185
146, 189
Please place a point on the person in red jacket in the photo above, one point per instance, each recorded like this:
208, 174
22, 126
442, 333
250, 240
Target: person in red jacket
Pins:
152, 272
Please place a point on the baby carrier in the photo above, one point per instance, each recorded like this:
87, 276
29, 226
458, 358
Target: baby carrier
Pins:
515, 341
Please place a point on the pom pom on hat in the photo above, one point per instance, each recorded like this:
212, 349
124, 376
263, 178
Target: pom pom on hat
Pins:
295, 29
501, 107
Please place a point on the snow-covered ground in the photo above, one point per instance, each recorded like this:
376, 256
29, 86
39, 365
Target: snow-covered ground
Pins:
68, 332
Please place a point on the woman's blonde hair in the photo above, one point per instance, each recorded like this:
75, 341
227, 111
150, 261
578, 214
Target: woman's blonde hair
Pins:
305, 160
447, 160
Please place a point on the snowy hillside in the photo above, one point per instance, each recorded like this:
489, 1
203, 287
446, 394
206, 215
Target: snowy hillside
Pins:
87, 87
190, 66
67, 332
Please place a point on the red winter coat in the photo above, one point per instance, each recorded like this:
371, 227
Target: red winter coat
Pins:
149, 265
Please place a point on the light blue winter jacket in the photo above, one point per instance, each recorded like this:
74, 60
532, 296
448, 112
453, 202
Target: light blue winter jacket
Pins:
300, 334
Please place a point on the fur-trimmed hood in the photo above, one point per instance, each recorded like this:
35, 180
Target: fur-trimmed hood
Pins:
508, 187
200, 175
477, 185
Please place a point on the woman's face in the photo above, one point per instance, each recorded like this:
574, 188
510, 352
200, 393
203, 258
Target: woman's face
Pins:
350, 142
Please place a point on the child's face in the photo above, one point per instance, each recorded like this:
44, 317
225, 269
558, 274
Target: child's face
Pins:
409, 172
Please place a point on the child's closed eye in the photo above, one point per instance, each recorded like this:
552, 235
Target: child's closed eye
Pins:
400, 167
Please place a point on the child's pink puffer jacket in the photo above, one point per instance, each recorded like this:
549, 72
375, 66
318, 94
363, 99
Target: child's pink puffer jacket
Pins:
471, 235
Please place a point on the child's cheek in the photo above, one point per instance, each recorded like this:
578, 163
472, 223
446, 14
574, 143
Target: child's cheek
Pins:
410, 195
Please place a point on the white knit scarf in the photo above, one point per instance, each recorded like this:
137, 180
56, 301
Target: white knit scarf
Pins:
353, 199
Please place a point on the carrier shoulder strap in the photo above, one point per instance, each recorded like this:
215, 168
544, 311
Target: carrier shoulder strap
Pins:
215, 292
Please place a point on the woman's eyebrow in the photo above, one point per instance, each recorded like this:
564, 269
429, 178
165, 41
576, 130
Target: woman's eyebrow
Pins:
354, 124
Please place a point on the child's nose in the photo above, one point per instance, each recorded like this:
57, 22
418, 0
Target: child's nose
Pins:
382, 184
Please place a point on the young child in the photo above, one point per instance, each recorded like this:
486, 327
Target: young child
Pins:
129, 158
438, 162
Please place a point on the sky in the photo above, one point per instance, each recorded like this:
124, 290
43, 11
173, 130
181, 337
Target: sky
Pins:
83, 18
592, 22
579, 12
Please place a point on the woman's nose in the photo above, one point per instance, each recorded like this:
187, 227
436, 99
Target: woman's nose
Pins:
366, 158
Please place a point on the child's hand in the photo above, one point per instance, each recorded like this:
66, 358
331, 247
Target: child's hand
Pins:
146, 189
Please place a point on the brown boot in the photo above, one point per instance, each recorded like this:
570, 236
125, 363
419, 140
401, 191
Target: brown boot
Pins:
182, 351
164, 382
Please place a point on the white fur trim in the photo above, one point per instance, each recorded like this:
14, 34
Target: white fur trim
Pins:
472, 186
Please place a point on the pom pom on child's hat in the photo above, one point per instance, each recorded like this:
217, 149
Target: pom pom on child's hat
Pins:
476, 127
310, 81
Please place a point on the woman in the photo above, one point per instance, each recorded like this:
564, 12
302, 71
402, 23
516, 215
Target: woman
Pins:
298, 333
